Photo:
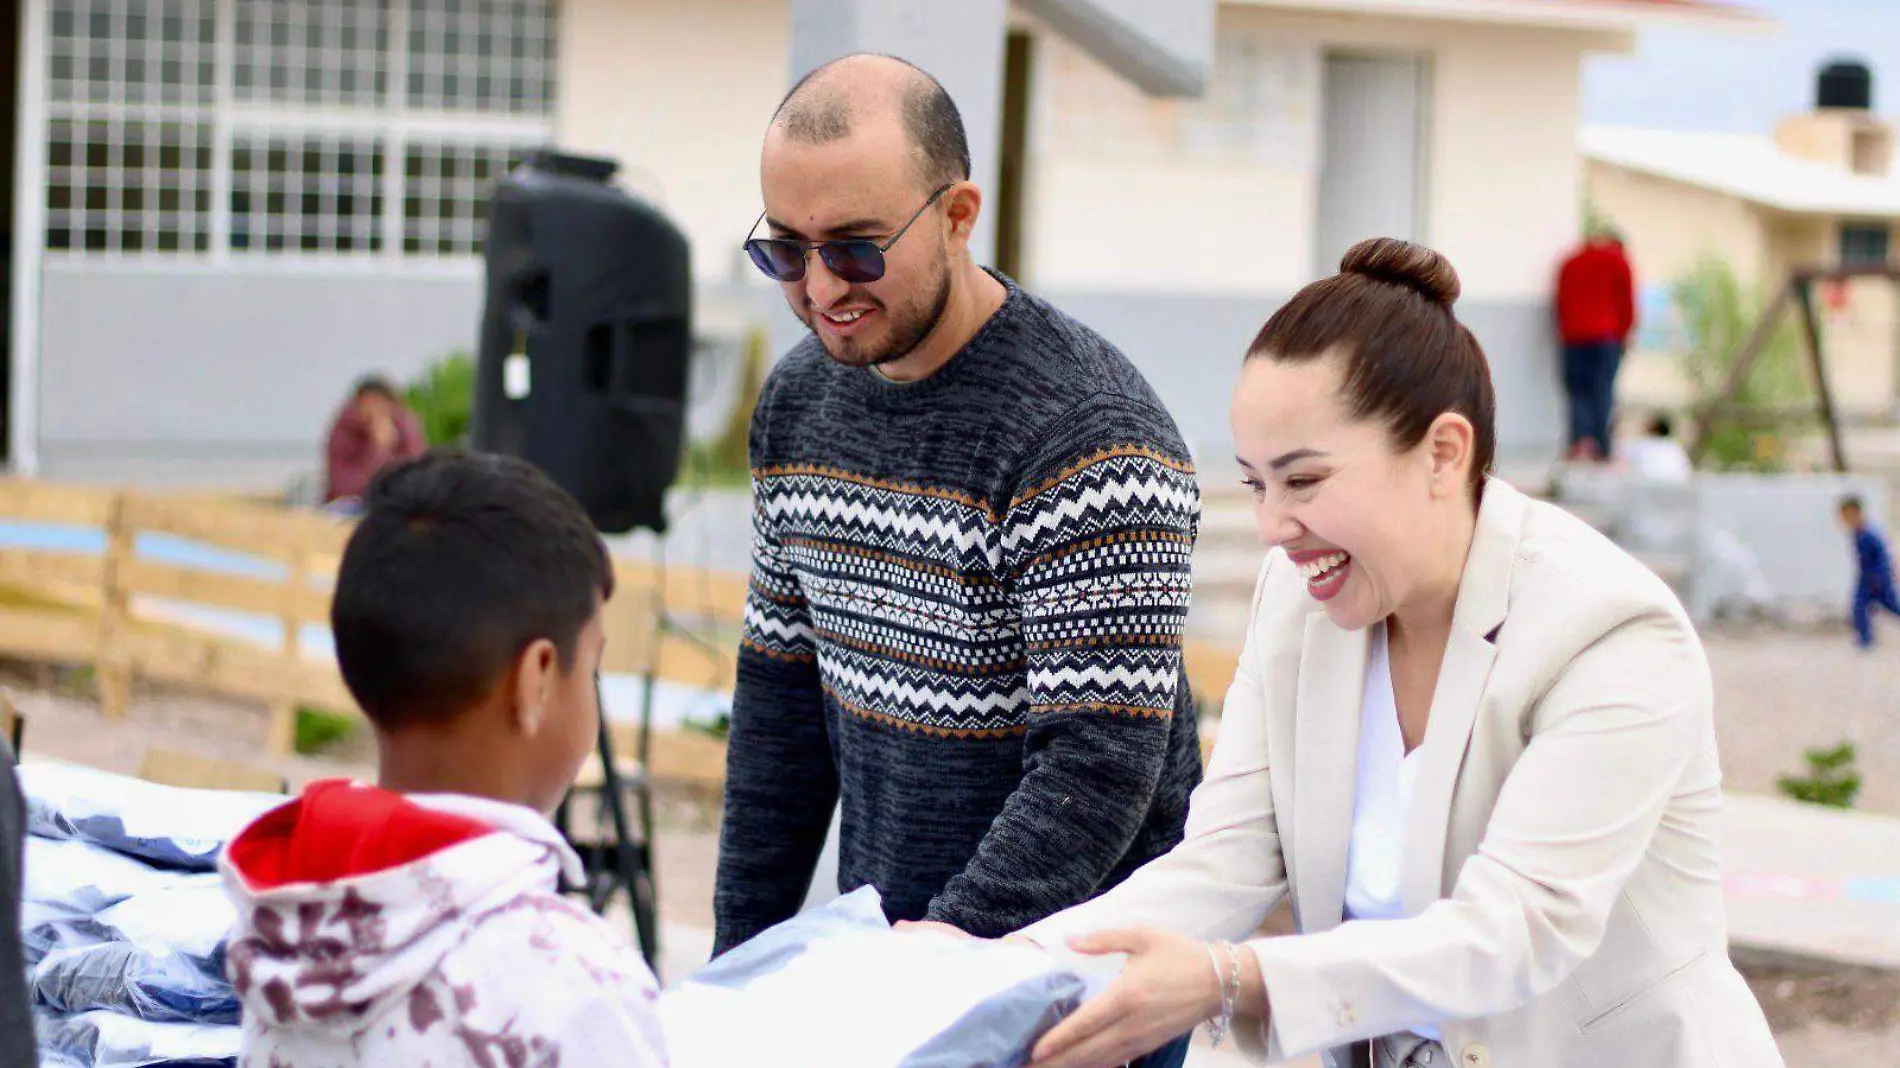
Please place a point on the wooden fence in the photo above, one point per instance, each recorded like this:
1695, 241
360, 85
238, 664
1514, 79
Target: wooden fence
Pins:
129, 614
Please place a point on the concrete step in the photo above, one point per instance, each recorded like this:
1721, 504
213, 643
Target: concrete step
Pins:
1227, 554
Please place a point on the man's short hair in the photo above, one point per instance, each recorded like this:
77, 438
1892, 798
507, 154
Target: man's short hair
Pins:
460, 562
817, 111
1852, 501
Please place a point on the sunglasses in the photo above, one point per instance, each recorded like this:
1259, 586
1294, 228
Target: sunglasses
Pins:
855, 259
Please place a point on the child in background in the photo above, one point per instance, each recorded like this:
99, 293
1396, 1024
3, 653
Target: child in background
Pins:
418, 922
1873, 587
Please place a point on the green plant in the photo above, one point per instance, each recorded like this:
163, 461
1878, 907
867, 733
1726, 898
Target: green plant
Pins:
717, 727
1717, 314
1831, 779
443, 398
1595, 221
318, 729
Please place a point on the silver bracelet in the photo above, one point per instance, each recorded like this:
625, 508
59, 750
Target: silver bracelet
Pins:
1231, 998
1217, 1027
1229, 987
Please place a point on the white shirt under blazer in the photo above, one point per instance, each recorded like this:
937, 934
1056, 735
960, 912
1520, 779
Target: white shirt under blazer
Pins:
1562, 876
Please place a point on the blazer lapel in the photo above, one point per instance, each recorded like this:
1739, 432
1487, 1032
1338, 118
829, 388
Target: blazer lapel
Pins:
1326, 757
1483, 598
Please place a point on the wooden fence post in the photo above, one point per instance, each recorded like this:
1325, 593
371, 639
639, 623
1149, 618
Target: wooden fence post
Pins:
282, 740
113, 667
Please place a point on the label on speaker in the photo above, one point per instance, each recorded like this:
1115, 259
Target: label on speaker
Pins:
514, 377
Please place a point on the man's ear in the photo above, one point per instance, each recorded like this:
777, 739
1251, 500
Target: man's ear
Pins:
533, 684
962, 207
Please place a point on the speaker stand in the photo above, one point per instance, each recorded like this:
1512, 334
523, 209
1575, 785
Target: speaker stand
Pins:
619, 856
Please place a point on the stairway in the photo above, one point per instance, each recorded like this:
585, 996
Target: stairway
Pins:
1227, 555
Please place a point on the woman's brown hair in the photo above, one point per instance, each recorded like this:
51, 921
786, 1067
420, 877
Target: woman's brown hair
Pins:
1407, 359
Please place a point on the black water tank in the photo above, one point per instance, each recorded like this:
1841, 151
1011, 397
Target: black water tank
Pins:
594, 288
1846, 83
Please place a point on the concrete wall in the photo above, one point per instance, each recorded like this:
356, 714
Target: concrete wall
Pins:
680, 93
230, 376
1177, 244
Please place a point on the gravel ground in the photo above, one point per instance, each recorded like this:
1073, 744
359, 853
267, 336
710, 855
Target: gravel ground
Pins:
1776, 694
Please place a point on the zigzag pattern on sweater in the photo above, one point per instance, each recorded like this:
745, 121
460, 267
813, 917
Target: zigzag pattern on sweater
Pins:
919, 604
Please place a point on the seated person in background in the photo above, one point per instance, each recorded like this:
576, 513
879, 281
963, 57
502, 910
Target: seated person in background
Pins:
417, 922
374, 430
1657, 456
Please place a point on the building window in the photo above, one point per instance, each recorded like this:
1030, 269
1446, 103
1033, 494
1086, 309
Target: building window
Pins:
1864, 244
445, 193
312, 53
339, 127
480, 55
306, 194
129, 151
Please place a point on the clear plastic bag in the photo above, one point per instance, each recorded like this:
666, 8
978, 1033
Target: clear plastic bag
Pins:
46, 926
123, 978
166, 826
191, 920
108, 1040
87, 878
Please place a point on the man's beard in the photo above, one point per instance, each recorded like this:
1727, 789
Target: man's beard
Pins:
905, 335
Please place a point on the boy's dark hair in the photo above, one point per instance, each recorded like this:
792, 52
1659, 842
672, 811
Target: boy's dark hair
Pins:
1660, 427
1852, 501
461, 560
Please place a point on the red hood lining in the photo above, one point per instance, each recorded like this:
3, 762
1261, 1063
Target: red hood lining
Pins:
340, 830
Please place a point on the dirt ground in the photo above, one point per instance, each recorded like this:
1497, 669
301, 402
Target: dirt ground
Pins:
1777, 694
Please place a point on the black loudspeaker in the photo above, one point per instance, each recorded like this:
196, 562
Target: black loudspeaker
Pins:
586, 338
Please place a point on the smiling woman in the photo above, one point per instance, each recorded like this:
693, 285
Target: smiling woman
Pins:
1469, 739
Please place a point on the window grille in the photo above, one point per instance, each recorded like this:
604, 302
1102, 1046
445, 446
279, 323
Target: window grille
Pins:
289, 127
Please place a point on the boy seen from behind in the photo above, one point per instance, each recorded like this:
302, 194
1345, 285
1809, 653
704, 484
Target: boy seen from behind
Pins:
1873, 587
418, 921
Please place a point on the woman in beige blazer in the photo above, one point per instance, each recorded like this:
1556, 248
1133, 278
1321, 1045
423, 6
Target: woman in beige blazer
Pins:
1555, 879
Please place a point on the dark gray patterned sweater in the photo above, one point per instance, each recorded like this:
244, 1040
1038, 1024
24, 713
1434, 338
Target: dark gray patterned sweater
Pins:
968, 597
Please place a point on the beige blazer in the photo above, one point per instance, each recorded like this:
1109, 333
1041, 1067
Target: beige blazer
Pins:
1561, 873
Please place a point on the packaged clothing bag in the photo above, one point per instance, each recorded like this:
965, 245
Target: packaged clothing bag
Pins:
86, 877
123, 978
46, 926
190, 920
837, 988
108, 1040
166, 826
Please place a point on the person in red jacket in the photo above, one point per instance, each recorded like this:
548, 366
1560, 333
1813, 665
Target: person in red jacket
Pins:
1596, 310
374, 430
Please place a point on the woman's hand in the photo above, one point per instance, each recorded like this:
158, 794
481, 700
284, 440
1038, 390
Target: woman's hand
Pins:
1167, 989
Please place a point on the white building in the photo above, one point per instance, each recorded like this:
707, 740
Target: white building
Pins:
225, 210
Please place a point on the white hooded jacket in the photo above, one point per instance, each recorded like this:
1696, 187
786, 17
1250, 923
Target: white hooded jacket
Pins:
381, 930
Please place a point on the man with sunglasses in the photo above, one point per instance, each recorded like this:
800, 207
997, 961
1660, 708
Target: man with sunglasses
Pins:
973, 522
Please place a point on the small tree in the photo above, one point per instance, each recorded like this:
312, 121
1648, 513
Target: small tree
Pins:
1716, 314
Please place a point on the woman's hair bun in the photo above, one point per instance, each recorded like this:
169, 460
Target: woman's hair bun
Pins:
1415, 267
